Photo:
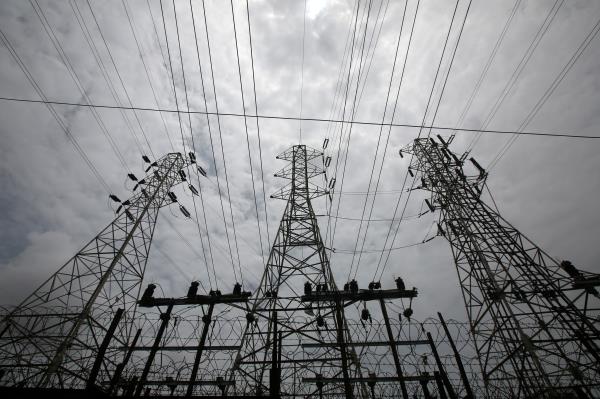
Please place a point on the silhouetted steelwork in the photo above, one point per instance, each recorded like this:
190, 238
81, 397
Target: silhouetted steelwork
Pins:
277, 317
535, 328
53, 337
91, 330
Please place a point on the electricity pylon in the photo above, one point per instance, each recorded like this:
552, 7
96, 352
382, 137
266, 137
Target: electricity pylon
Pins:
535, 329
278, 321
82, 331
54, 337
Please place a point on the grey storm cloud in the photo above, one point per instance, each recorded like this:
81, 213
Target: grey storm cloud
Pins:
51, 204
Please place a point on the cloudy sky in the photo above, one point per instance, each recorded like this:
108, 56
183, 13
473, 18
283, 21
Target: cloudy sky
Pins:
529, 65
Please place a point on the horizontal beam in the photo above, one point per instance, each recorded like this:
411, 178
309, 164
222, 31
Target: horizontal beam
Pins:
586, 283
372, 343
360, 295
370, 379
196, 300
197, 382
184, 348
294, 361
13, 392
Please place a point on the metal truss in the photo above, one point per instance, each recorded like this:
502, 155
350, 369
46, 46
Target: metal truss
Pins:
534, 320
53, 338
277, 318
90, 329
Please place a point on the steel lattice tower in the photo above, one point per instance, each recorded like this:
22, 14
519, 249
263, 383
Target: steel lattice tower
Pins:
53, 337
278, 319
89, 328
532, 318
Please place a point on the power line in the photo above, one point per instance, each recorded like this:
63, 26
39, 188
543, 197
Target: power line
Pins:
308, 119
302, 68
488, 63
103, 70
120, 78
387, 98
519, 69
66, 61
339, 79
187, 104
389, 131
370, 251
148, 77
213, 154
411, 217
54, 113
391, 120
451, 64
221, 142
353, 113
549, 91
262, 173
374, 46
424, 118
237, 53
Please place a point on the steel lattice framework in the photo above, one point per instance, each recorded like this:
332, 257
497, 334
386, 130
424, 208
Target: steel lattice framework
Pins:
536, 331
278, 319
54, 336
88, 327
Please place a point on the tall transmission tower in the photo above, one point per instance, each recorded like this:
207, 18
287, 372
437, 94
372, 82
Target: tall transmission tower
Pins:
278, 318
90, 328
53, 338
536, 331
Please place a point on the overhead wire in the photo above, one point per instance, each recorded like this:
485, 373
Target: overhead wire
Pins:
523, 62
352, 115
120, 78
369, 251
68, 64
441, 97
458, 40
368, 58
353, 71
147, 72
439, 67
184, 239
391, 120
192, 141
343, 93
237, 53
221, 140
379, 140
339, 80
104, 71
309, 119
379, 265
262, 173
172, 75
213, 153
53, 112
347, 55
488, 64
302, 68
158, 40
548, 93
66, 61
411, 217
373, 46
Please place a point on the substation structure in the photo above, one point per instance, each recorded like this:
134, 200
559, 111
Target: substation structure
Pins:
96, 328
92, 328
535, 321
